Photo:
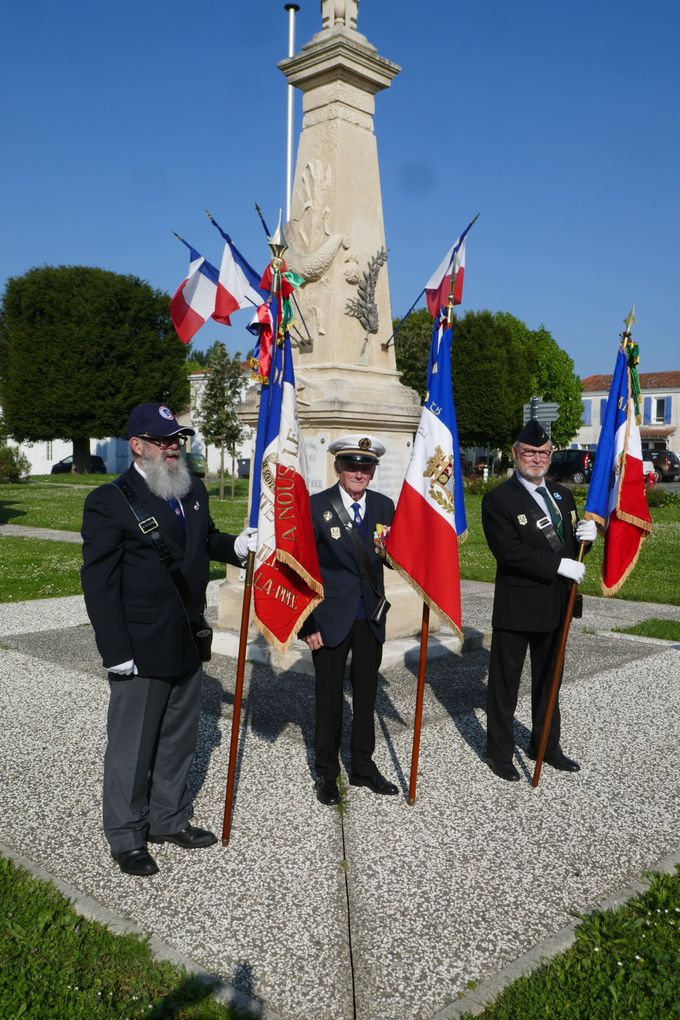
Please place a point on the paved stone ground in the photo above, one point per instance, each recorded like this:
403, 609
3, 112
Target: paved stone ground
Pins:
389, 912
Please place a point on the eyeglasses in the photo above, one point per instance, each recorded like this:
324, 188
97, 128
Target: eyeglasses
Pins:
528, 454
166, 442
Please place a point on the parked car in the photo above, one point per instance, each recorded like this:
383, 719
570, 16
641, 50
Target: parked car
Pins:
572, 466
666, 465
65, 466
195, 462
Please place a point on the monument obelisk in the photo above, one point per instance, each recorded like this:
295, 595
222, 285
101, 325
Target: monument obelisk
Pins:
346, 382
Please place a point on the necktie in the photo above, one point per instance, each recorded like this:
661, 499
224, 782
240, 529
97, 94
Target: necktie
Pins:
555, 516
356, 508
177, 510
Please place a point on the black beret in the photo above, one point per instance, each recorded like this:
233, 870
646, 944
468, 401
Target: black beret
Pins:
533, 434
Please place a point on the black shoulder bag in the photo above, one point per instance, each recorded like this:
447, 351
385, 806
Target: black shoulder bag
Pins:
201, 631
380, 612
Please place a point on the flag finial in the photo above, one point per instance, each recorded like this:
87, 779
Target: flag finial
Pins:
628, 322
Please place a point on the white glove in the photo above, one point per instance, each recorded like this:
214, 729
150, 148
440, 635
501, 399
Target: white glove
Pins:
245, 542
124, 668
572, 569
586, 531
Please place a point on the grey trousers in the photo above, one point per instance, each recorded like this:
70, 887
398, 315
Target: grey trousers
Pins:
152, 727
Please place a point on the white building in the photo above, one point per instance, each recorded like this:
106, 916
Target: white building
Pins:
660, 410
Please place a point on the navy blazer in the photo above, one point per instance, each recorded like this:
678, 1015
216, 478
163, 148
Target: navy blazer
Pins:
529, 594
131, 600
344, 581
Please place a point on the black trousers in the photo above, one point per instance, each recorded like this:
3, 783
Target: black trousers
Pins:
329, 669
152, 727
508, 651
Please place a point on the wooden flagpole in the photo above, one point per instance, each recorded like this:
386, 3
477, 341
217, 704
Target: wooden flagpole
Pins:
557, 674
238, 698
418, 720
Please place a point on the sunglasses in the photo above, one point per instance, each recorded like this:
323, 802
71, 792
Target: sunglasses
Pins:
166, 442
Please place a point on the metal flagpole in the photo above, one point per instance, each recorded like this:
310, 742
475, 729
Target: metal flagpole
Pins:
292, 10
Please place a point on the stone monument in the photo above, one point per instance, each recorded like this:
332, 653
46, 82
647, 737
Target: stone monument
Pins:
346, 380
336, 240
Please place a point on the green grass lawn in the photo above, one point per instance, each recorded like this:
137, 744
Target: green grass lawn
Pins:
667, 630
625, 963
49, 503
56, 965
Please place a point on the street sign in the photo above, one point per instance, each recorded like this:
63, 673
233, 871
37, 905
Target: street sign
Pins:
544, 413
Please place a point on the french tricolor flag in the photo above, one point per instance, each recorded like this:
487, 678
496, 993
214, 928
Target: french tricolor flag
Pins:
616, 496
430, 517
237, 285
194, 299
438, 287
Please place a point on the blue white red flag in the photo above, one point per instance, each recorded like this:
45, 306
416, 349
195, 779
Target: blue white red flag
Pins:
430, 518
287, 582
617, 500
438, 287
238, 283
194, 299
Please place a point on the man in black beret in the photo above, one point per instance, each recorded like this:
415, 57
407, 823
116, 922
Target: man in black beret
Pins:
143, 634
532, 529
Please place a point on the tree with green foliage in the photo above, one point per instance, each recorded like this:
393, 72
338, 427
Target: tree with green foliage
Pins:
553, 377
497, 364
81, 346
217, 413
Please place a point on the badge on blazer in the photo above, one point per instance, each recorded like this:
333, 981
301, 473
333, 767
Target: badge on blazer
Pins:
335, 532
556, 495
521, 519
327, 515
197, 505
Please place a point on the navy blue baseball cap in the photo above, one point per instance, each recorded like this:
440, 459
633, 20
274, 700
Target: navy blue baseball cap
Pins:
155, 420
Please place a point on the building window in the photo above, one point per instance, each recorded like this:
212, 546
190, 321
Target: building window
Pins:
660, 409
48, 450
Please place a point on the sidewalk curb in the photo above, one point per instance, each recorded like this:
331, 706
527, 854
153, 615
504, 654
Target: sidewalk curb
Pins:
478, 999
90, 908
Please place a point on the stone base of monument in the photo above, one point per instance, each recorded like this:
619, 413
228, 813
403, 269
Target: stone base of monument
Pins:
402, 646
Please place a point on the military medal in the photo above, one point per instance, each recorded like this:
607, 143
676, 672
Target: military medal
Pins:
521, 519
335, 533
327, 515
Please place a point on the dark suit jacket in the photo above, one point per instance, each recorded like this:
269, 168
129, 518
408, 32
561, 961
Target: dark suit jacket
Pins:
529, 593
344, 581
131, 600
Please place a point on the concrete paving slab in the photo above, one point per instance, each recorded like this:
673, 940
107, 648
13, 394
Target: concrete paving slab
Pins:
453, 889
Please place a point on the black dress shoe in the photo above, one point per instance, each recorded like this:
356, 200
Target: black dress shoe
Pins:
558, 760
505, 770
136, 862
191, 838
376, 784
327, 792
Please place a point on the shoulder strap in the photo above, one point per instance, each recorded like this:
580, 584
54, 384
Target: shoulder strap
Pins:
337, 504
148, 525
544, 522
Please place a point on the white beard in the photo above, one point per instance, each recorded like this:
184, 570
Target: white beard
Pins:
164, 481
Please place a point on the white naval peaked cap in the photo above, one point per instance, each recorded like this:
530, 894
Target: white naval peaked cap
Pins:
359, 448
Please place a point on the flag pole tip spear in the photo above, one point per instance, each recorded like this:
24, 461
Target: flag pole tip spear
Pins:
177, 236
277, 242
209, 215
629, 320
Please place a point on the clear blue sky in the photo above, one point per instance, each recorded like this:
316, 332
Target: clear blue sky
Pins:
559, 122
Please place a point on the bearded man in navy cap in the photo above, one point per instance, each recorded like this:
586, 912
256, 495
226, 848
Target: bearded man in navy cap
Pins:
142, 630
533, 531
349, 522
